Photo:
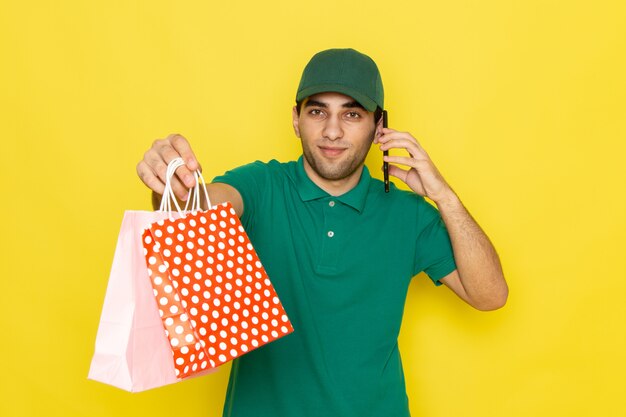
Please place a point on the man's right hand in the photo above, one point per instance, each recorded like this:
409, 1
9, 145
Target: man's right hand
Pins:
153, 167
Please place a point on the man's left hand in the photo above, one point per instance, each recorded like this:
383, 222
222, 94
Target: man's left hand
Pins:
421, 176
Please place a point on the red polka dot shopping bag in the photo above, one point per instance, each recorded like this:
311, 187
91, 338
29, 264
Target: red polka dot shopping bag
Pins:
207, 290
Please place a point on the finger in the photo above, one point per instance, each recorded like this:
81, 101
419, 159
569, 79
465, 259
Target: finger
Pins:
386, 134
398, 172
155, 162
182, 146
390, 134
180, 190
409, 145
149, 178
403, 175
418, 164
159, 167
154, 175
167, 154
378, 134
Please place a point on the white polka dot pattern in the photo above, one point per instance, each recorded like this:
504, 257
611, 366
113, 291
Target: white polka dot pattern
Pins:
213, 294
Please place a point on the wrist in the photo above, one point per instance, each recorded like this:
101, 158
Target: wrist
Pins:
447, 199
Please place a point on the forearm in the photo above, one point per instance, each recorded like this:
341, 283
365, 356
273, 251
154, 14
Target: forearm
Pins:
478, 264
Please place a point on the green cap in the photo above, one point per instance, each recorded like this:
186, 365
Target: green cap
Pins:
344, 71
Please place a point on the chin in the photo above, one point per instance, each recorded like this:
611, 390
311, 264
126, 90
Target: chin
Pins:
337, 172
333, 169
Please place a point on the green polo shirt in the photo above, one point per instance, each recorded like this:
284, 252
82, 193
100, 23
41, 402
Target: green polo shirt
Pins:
341, 267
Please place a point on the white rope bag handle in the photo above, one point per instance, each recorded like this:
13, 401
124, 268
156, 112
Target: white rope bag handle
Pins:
195, 192
193, 195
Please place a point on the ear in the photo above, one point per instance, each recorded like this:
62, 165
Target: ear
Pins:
296, 121
379, 129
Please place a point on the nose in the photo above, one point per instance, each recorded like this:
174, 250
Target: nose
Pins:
332, 129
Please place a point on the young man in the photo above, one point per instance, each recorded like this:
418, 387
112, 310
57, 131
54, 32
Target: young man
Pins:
339, 250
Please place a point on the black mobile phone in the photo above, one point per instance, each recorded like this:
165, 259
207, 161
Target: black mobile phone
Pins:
385, 153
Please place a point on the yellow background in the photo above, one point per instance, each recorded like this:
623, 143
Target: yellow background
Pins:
521, 105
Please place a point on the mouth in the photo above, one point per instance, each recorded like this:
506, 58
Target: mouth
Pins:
331, 152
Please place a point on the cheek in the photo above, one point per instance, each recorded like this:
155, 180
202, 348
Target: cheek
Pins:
366, 134
307, 131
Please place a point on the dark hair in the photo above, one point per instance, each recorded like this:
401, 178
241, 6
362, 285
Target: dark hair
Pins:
378, 113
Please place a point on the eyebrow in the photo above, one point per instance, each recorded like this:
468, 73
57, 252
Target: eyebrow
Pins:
348, 105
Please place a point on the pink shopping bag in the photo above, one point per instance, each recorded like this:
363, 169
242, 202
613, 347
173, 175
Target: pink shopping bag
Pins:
132, 350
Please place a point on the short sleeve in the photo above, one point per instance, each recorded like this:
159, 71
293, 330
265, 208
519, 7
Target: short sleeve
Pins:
434, 253
251, 181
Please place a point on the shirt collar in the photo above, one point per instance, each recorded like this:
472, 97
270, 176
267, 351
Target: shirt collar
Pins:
308, 190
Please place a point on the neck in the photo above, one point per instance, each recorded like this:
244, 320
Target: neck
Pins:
334, 187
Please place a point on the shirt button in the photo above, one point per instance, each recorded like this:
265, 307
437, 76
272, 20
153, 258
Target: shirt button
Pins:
331, 233
332, 204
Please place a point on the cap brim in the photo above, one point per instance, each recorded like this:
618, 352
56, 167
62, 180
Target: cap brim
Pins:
363, 100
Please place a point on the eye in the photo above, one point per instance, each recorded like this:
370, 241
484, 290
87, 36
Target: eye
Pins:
315, 112
353, 115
